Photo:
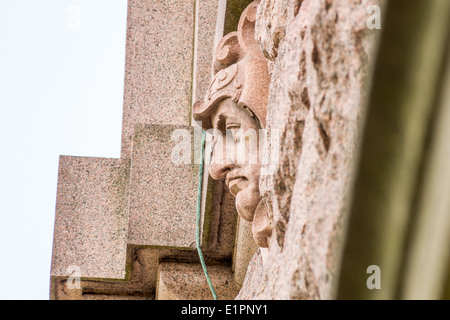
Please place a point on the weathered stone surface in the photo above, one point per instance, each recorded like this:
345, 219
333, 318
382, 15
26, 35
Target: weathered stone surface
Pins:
256, 274
244, 250
163, 193
91, 220
272, 19
206, 19
158, 66
318, 53
142, 272
186, 281
220, 219
60, 291
167, 65
316, 98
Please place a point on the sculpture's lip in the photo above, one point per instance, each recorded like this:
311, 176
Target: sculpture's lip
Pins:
236, 184
228, 180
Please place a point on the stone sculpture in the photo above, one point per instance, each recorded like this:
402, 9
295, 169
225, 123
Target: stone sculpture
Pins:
236, 103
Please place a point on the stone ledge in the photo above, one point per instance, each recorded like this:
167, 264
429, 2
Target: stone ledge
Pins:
91, 220
186, 281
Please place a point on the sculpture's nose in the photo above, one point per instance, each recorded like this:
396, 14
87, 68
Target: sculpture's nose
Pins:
219, 171
221, 164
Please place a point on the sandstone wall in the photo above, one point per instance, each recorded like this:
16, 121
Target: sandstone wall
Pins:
320, 52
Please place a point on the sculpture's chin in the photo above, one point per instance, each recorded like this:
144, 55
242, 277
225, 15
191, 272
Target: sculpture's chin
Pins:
246, 203
252, 209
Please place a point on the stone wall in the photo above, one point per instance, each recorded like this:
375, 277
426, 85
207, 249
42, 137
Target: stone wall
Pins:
320, 52
126, 228
361, 178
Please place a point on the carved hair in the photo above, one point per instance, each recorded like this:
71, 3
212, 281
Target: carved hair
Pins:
241, 73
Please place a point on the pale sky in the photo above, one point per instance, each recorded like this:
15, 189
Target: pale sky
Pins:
61, 93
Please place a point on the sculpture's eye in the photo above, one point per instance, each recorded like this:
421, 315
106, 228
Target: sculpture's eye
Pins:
235, 130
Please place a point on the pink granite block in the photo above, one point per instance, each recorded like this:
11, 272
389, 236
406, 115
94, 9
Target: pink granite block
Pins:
158, 66
163, 194
91, 221
206, 20
186, 281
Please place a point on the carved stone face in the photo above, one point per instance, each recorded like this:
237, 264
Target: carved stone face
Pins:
236, 103
240, 171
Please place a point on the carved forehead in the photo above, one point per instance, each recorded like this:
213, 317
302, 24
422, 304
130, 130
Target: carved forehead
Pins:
241, 73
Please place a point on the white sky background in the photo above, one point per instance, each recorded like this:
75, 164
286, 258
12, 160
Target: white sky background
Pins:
61, 93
